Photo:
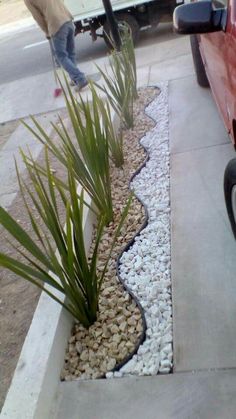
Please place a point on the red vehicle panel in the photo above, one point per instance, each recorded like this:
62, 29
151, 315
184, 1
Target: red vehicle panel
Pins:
212, 24
218, 54
212, 29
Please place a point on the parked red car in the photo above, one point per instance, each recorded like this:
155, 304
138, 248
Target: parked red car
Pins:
212, 29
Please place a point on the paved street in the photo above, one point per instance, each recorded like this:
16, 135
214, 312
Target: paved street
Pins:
26, 53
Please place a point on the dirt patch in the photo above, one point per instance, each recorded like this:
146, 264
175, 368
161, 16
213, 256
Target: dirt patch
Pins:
18, 298
12, 11
6, 129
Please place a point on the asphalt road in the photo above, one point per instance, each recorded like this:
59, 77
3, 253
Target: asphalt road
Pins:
27, 52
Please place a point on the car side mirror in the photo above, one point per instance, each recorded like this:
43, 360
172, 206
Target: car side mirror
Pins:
199, 17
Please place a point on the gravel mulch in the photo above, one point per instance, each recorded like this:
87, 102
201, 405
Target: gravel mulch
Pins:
116, 333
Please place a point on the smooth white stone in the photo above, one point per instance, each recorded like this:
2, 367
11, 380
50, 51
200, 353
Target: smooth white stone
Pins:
109, 375
153, 369
142, 350
165, 363
168, 329
167, 338
118, 374
167, 348
170, 357
164, 370
129, 367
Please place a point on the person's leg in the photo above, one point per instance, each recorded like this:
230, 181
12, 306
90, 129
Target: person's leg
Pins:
60, 40
71, 45
71, 49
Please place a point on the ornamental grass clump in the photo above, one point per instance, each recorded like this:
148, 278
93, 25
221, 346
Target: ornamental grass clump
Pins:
118, 89
115, 139
88, 152
67, 275
121, 86
129, 59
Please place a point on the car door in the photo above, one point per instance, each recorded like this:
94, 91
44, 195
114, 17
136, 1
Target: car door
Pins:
231, 90
215, 52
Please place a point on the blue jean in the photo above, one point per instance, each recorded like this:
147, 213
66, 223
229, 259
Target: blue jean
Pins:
64, 47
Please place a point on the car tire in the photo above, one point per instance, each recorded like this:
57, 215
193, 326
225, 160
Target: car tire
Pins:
230, 193
198, 63
129, 20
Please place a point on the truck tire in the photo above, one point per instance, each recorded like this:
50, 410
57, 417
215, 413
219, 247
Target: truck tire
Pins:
129, 20
198, 63
230, 193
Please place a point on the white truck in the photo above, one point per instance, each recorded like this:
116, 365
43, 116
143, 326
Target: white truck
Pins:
89, 15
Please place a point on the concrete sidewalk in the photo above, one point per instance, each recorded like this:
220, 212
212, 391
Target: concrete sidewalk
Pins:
204, 395
203, 274
203, 247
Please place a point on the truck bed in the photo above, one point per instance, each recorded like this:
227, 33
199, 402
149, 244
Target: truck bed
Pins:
86, 9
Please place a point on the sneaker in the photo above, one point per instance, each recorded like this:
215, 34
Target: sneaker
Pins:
81, 85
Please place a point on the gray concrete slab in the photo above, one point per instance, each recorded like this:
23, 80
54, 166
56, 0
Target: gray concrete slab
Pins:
203, 248
161, 50
194, 118
30, 96
172, 68
204, 395
33, 95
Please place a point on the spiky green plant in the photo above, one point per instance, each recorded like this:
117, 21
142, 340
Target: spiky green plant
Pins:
115, 139
88, 152
118, 89
129, 59
72, 278
128, 53
121, 86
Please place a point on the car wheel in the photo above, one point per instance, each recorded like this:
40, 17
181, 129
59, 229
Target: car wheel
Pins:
122, 18
198, 63
230, 193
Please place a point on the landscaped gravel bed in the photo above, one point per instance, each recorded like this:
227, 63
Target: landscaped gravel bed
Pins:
119, 327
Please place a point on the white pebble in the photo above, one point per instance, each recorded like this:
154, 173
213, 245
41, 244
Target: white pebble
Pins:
118, 374
146, 267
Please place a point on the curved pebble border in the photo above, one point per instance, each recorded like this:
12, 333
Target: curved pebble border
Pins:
146, 267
